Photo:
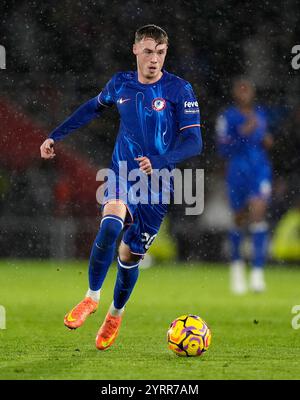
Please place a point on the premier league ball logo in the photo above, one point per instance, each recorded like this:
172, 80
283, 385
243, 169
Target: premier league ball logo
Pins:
158, 104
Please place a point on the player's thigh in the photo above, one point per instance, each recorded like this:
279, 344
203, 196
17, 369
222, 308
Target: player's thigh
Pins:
240, 217
237, 195
126, 255
260, 196
140, 235
115, 207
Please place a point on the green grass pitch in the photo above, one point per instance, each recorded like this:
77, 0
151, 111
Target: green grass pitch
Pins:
252, 335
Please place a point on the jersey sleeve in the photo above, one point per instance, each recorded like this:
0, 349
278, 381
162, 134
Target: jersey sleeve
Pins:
82, 116
85, 113
106, 97
188, 113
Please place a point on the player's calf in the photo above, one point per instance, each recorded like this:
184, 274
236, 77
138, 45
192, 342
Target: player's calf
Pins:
237, 266
103, 250
259, 233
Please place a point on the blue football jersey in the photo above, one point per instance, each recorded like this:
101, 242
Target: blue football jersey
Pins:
249, 169
243, 150
151, 115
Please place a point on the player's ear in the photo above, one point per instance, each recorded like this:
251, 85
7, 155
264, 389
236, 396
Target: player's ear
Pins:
134, 49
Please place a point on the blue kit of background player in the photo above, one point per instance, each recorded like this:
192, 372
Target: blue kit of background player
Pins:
242, 139
249, 172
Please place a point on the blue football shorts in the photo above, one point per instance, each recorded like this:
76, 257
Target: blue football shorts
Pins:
242, 187
142, 221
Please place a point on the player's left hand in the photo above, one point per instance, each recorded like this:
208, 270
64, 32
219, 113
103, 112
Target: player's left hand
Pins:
145, 165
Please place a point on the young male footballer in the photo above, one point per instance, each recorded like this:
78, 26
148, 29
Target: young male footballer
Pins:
243, 138
159, 127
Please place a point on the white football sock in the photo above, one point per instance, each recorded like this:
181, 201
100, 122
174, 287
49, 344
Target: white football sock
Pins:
237, 277
115, 312
93, 294
257, 280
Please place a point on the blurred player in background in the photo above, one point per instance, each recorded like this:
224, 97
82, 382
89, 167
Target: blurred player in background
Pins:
159, 127
242, 139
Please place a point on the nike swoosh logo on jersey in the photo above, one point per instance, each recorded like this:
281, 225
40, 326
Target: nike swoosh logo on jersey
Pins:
121, 100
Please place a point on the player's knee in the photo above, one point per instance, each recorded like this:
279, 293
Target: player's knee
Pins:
258, 214
240, 219
258, 226
257, 219
110, 229
127, 257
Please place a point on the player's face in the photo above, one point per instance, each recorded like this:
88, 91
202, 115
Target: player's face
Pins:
150, 59
243, 93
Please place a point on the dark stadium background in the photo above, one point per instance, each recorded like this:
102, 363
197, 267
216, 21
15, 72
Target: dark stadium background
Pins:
61, 53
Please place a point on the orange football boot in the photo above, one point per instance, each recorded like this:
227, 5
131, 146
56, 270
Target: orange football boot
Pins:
76, 317
108, 331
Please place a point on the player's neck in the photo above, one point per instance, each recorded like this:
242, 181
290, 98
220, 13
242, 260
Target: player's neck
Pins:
246, 108
146, 81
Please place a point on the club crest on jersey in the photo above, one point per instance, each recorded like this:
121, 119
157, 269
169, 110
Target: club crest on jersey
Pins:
158, 104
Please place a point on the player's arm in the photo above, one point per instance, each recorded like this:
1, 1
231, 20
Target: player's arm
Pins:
189, 145
82, 116
267, 137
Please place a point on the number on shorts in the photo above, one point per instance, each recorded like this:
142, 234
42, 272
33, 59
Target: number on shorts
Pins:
147, 239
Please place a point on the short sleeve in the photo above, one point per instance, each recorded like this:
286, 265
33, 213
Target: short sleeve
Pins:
188, 113
107, 96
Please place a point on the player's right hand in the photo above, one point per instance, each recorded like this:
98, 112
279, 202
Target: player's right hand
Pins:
249, 127
47, 149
